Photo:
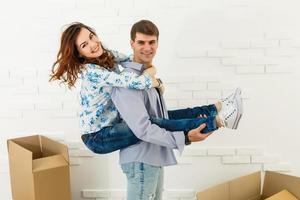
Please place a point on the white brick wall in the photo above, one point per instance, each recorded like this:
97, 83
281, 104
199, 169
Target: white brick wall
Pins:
236, 61
280, 167
220, 151
265, 159
206, 49
236, 159
250, 151
264, 43
235, 44
207, 94
290, 43
251, 69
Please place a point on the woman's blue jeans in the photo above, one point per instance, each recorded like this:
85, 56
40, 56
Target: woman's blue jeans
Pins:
119, 136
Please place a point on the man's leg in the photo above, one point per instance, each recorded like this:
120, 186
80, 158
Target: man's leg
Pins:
189, 113
142, 181
160, 185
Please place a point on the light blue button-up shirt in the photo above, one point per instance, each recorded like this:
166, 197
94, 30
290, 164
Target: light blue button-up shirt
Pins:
135, 107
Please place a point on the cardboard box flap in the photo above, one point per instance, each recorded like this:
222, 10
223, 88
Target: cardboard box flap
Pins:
50, 147
20, 167
19, 156
246, 187
31, 143
275, 182
258, 197
50, 162
283, 195
218, 192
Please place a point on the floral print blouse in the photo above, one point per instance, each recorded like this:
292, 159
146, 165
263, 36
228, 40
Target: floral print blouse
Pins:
97, 109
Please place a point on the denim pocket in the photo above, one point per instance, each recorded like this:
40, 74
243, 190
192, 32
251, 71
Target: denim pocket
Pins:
128, 169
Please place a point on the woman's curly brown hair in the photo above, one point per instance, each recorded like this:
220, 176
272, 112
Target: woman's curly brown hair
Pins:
69, 63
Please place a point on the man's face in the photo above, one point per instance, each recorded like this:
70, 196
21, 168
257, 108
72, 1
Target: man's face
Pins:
144, 48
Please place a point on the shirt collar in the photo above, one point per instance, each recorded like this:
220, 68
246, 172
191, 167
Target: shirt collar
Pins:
133, 65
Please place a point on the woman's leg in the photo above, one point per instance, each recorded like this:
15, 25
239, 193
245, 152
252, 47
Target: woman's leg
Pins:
186, 124
119, 136
110, 139
189, 113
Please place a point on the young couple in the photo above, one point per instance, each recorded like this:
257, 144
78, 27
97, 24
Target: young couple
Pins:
125, 109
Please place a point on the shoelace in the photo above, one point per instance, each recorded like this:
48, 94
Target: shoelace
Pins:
228, 116
228, 99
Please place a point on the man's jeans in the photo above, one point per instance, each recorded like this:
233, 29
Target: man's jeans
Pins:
119, 136
144, 182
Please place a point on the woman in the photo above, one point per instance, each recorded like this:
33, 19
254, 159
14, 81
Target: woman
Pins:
82, 56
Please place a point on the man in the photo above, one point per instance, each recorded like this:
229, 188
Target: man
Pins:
143, 162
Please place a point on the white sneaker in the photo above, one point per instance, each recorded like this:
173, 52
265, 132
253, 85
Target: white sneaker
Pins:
227, 101
231, 114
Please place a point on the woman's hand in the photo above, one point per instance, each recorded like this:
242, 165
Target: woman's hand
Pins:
150, 71
155, 83
158, 84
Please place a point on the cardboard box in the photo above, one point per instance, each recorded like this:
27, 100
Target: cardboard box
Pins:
283, 195
39, 169
249, 187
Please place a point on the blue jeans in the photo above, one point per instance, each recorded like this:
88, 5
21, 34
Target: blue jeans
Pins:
119, 136
144, 182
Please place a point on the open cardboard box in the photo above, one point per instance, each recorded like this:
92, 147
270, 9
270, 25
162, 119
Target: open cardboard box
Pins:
249, 187
39, 169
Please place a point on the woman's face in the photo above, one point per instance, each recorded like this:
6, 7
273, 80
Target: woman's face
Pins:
88, 44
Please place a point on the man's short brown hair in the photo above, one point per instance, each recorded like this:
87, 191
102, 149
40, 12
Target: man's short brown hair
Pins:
145, 27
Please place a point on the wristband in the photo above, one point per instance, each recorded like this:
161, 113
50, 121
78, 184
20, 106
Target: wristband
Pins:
159, 82
186, 139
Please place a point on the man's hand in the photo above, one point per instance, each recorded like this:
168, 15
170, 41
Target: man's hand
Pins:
195, 135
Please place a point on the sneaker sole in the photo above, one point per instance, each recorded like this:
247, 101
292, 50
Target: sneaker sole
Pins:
237, 92
239, 108
236, 123
238, 97
240, 104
